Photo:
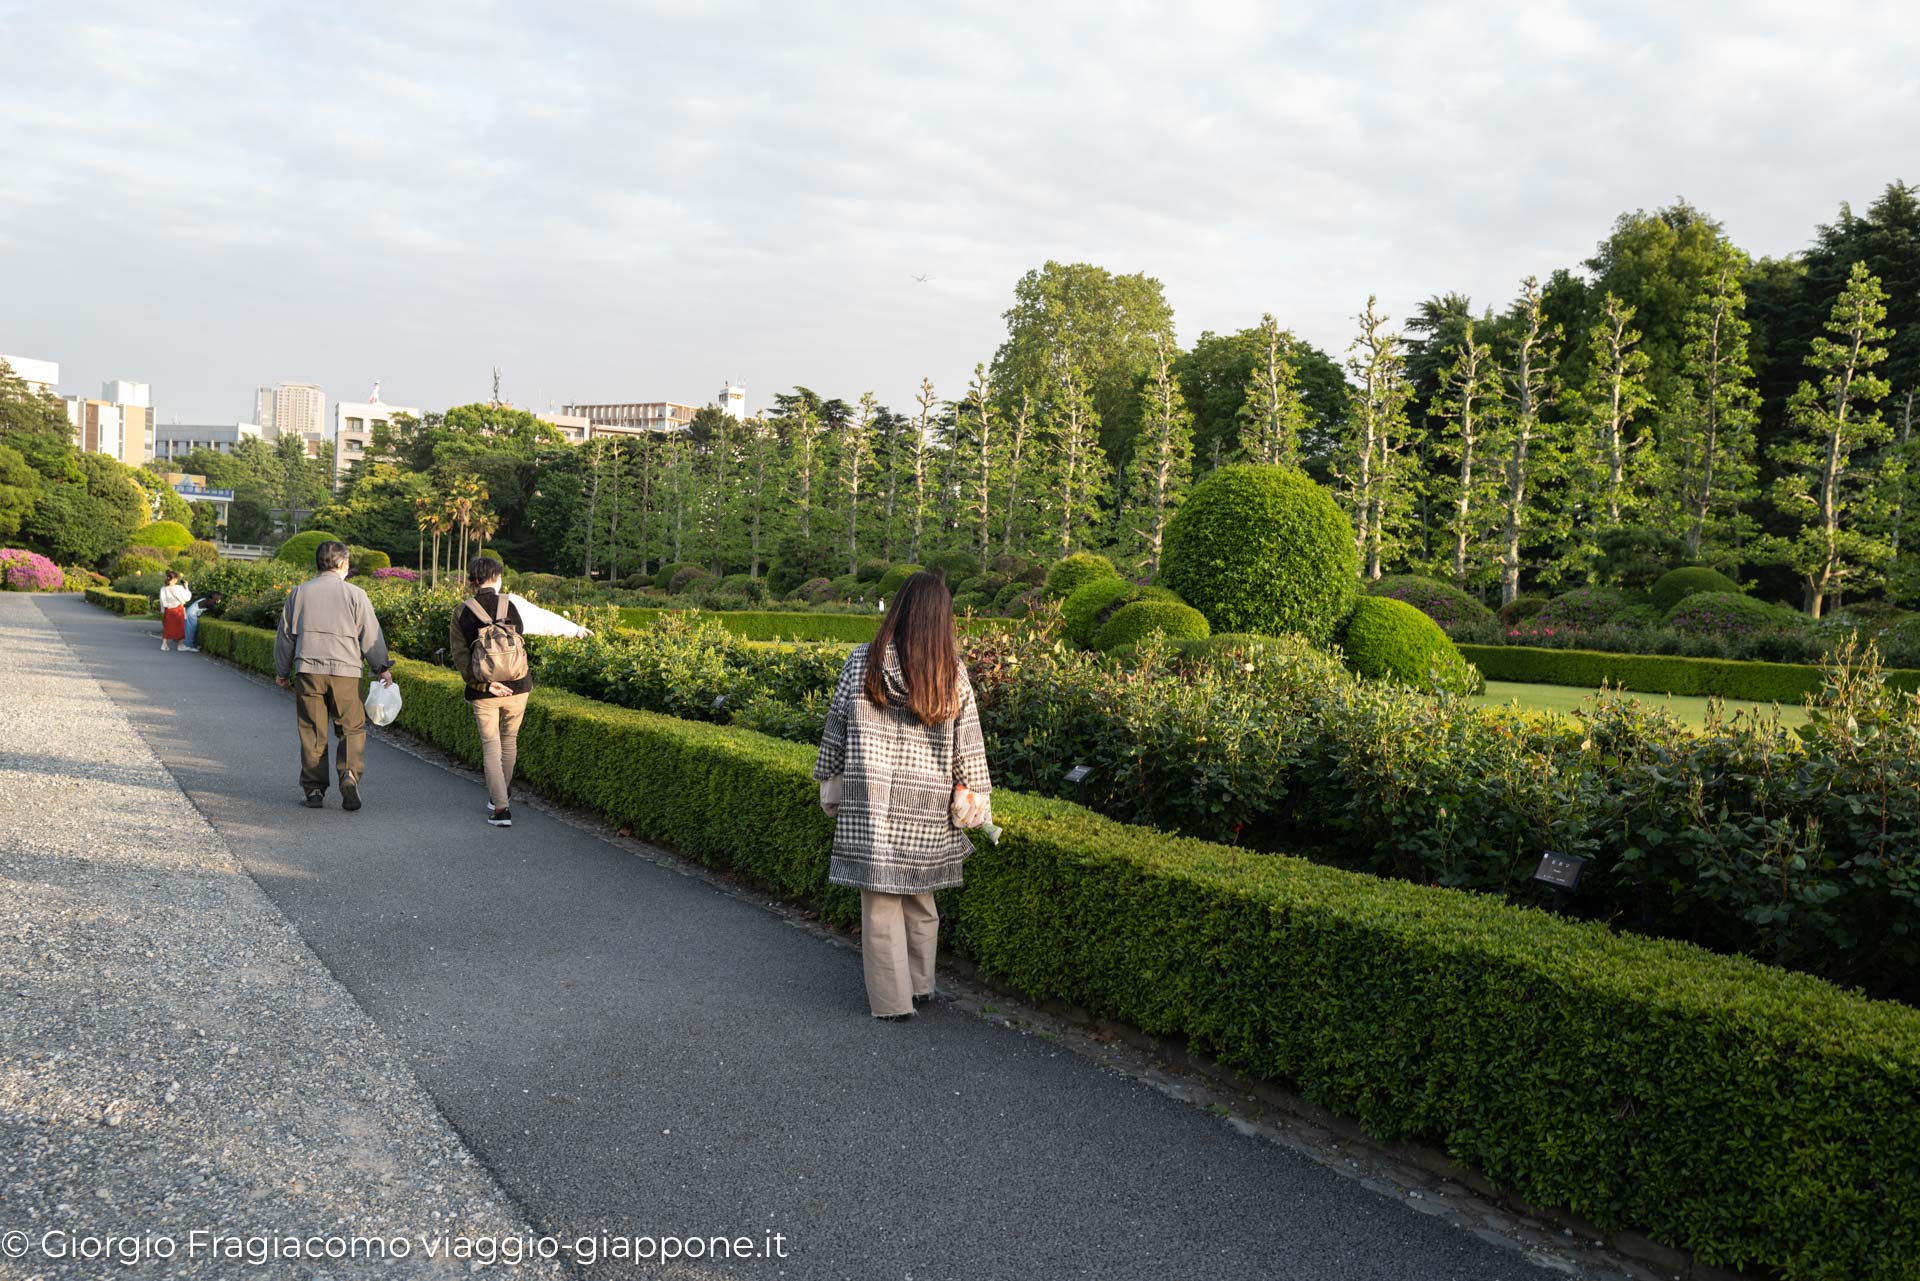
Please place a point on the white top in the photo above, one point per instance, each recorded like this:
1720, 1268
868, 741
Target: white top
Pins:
174, 594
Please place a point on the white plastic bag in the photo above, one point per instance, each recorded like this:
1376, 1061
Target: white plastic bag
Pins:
383, 703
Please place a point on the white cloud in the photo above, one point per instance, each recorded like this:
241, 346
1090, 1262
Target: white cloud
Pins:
641, 200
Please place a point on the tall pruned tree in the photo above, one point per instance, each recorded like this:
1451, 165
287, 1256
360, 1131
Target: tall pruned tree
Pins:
1162, 463
1273, 417
1020, 429
986, 441
1078, 472
801, 427
1371, 466
1828, 483
1460, 417
1707, 430
856, 457
1612, 401
920, 454
1527, 453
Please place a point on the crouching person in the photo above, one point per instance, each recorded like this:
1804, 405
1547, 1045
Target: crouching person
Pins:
902, 737
487, 640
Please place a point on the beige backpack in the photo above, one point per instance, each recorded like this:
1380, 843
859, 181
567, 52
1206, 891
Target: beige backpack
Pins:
498, 652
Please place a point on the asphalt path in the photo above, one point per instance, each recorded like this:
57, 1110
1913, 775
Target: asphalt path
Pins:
635, 1052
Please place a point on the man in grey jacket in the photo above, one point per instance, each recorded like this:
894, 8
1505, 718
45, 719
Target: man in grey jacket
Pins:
327, 629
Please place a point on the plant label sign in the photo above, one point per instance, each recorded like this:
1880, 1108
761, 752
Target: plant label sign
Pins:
1560, 870
1079, 774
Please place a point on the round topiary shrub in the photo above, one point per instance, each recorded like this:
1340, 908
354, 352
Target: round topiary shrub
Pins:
816, 591
203, 552
664, 578
1004, 598
1731, 615
895, 578
1676, 585
298, 550
1582, 609
1084, 613
1899, 642
167, 535
1444, 603
1642, 617
1072, 572
955, 565
1236, 649
130, 562
688, 577
1521, 608
1134, 622
871, 571
745, 586
1263, 549
972, 603
1390, 640
364, 560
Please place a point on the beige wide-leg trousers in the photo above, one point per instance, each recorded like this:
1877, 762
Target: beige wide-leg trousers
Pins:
899, 934
499, 722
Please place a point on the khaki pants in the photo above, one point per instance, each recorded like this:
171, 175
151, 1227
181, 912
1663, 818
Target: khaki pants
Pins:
899, 934
321, 701
499, 722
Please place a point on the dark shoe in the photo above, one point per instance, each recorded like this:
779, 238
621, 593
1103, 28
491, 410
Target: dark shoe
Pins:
349, 792
894, 1018
922, 998
500, 818
315, 800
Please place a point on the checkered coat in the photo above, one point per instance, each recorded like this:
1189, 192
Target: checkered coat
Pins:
894, 833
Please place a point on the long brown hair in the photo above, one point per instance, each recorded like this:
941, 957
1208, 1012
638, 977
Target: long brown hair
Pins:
919, 628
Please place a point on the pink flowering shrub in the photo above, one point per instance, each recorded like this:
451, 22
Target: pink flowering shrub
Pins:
25, 571
395, 572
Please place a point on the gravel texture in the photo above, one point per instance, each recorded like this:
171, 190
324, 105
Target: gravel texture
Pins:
172, 1056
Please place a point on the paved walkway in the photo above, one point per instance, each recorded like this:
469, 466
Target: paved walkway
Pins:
633, 1051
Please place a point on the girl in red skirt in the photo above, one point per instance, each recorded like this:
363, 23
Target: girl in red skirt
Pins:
173, 611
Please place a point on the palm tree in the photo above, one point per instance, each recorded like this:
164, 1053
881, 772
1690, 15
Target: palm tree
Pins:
485, 525
423, 517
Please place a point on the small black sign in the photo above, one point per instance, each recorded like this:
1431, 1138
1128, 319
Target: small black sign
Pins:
1079, 773
1560, 870
719, 702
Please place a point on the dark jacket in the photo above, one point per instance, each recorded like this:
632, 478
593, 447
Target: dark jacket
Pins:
464, 629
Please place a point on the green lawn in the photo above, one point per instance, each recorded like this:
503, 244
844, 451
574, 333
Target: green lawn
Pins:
1690, 709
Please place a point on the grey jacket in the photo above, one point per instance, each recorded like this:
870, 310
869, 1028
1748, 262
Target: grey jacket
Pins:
327, 627
894, 832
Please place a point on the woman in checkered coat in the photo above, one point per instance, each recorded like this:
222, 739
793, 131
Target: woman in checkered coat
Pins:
902, 768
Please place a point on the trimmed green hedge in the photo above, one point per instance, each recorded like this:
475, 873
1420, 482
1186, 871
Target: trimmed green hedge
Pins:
118, 602
754, 624
1749, 1115
1657, 673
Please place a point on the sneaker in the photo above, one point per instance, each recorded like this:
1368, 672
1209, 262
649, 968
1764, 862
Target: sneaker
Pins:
349, 792
501, 817
894, 1018
922, 998
315, 800
190, 649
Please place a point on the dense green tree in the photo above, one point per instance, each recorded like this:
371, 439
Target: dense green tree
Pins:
1828, 484
379, 511
1214, 377
1659, 264
20, 487
34, 424
73, 526
1100, 325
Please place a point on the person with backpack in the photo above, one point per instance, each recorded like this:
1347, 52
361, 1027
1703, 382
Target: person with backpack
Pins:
327, 631
903, 772
486, 638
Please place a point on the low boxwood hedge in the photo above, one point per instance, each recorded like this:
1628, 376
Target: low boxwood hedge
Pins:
1657, 673
794, 625
119, 602
1746, 1114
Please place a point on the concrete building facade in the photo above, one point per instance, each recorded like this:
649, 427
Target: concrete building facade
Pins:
353, 424
176, 440
292, 409
633, 418
41, 375
118, 424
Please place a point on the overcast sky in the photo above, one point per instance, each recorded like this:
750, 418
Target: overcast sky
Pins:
642, 200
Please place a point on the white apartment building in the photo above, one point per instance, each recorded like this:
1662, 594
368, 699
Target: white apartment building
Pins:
353, 424
573, 428
41, 375
118, 424
633, 418
733, 399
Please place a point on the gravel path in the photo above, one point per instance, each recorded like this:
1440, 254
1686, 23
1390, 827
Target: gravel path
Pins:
172, 1056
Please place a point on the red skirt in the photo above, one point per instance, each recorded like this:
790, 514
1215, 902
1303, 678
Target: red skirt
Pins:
173, 623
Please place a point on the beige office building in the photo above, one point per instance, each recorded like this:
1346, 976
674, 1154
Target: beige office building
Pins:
633, 418
293, 409
353, 424
118, 424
